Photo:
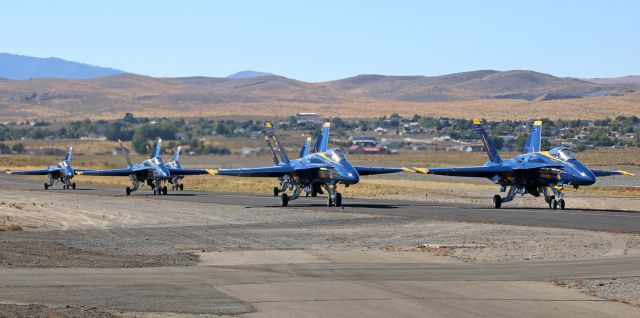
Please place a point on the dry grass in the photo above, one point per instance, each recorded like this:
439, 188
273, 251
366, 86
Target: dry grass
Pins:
10, 227
491, 109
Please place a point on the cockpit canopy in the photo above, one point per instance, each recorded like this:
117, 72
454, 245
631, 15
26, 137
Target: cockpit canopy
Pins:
336, 154
562, 153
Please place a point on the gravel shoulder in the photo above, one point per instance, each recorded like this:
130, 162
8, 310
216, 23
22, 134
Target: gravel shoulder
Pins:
626, 290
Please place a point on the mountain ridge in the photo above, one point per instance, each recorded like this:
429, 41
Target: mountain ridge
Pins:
21, 67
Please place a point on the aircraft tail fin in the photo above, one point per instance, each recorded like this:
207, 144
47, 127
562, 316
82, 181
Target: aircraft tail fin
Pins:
69, 154
156, 150
125, 153
488, 145
323, 139
279, 154
305, 148
534, 141
176, 157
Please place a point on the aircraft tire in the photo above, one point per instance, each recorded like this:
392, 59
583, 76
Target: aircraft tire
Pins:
164, 190
285, 199
181, 187
338, 199
73, 186
554, 204
314, 194
46, 186
551, 198
497, 201
276, 191
561, 204
127, 191
330, 202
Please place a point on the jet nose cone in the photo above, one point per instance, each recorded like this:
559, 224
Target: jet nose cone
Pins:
352, 177
588, 178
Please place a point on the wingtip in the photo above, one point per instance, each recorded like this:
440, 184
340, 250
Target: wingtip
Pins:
476, 121
421, 170
80, 172
212, 171
327, 124
268, 125
626, 173
9, 172
405, 169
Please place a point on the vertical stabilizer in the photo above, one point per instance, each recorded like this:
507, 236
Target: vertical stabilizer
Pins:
176, 158
276, 147
305, 148
125, 153
323, 139
534, 141
69, 154
488, 145
156, 150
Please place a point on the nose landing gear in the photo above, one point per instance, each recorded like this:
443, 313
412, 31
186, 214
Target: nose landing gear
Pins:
555, 200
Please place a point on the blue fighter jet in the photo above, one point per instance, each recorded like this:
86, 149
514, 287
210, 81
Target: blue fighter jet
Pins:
153, 171
533, 172
316, 169
176, 180
62, 172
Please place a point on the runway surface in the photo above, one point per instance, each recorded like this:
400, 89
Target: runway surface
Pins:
601, 220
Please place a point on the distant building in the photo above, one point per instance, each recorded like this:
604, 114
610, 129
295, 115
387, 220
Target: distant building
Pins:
360, 150
307, 118
364, 141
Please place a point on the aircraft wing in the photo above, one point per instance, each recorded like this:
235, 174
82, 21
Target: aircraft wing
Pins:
31, 172
479, 171
367, 171
274, 171
605, 173
484, 171
108, 173
187, 172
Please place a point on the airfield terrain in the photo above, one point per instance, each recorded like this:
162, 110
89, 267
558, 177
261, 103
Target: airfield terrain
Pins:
94, 252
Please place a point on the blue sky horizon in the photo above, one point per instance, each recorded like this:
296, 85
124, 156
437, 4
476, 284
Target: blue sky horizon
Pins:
321, 41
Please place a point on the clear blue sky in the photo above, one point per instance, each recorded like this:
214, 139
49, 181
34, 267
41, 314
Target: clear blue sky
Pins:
325, 40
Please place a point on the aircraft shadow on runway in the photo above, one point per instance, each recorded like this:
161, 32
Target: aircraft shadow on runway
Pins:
558, 210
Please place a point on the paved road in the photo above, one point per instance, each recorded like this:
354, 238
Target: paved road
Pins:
329, 284
603, 220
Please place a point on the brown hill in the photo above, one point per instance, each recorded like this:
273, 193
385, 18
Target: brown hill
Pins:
630, 80
270, 95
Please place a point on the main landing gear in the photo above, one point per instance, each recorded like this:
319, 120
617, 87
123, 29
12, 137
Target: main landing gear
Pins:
498, 200
334, 199
135, 185
177, 185
160, 190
